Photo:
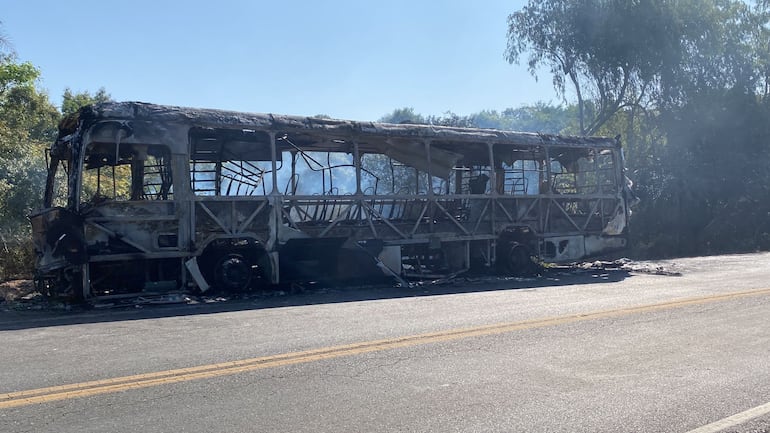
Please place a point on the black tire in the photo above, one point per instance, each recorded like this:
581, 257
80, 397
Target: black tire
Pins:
518, 261
233, 272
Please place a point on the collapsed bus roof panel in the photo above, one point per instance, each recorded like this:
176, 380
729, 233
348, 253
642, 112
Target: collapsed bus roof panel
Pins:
314, 127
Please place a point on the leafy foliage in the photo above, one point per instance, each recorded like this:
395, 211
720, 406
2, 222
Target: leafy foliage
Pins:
16, 256
540, 117
403, 115
687, 83
649, 54
27, 124
72, 102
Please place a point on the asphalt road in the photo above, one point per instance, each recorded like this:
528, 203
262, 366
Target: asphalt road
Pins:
602, 351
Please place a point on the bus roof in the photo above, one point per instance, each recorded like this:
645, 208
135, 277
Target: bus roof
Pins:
315, 126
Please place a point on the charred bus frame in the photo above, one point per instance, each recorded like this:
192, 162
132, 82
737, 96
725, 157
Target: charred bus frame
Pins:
143, 197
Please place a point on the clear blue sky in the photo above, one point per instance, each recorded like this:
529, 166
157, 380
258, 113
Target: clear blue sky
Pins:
344, 58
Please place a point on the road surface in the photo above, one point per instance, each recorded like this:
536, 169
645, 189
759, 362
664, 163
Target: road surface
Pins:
602, 351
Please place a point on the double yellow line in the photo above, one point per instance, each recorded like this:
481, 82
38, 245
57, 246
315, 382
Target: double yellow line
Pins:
97, 387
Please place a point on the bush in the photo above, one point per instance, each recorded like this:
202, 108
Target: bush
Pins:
17, 256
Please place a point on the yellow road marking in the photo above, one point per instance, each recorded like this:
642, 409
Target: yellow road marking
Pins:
96, 387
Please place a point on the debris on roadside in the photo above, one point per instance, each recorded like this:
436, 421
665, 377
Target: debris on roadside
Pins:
16, 289
21, 295
625, 264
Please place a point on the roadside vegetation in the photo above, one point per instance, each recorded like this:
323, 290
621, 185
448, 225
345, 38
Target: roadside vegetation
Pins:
28, 121
686, 85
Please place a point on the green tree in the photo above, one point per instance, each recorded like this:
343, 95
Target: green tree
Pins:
403, 115
72, 102
540, 117
686, 81
450, 119
618, 53
27, 124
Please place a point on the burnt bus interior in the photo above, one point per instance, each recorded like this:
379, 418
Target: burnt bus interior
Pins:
144, 198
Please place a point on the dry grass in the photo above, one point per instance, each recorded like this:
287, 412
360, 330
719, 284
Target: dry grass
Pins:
15, 289
17, 256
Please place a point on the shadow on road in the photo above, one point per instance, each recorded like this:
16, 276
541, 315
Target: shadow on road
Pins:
20, 316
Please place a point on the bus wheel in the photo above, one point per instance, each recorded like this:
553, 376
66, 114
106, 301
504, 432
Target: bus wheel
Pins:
518, 261
232, 272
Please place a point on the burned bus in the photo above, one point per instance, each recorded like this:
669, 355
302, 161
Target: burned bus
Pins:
143, 198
